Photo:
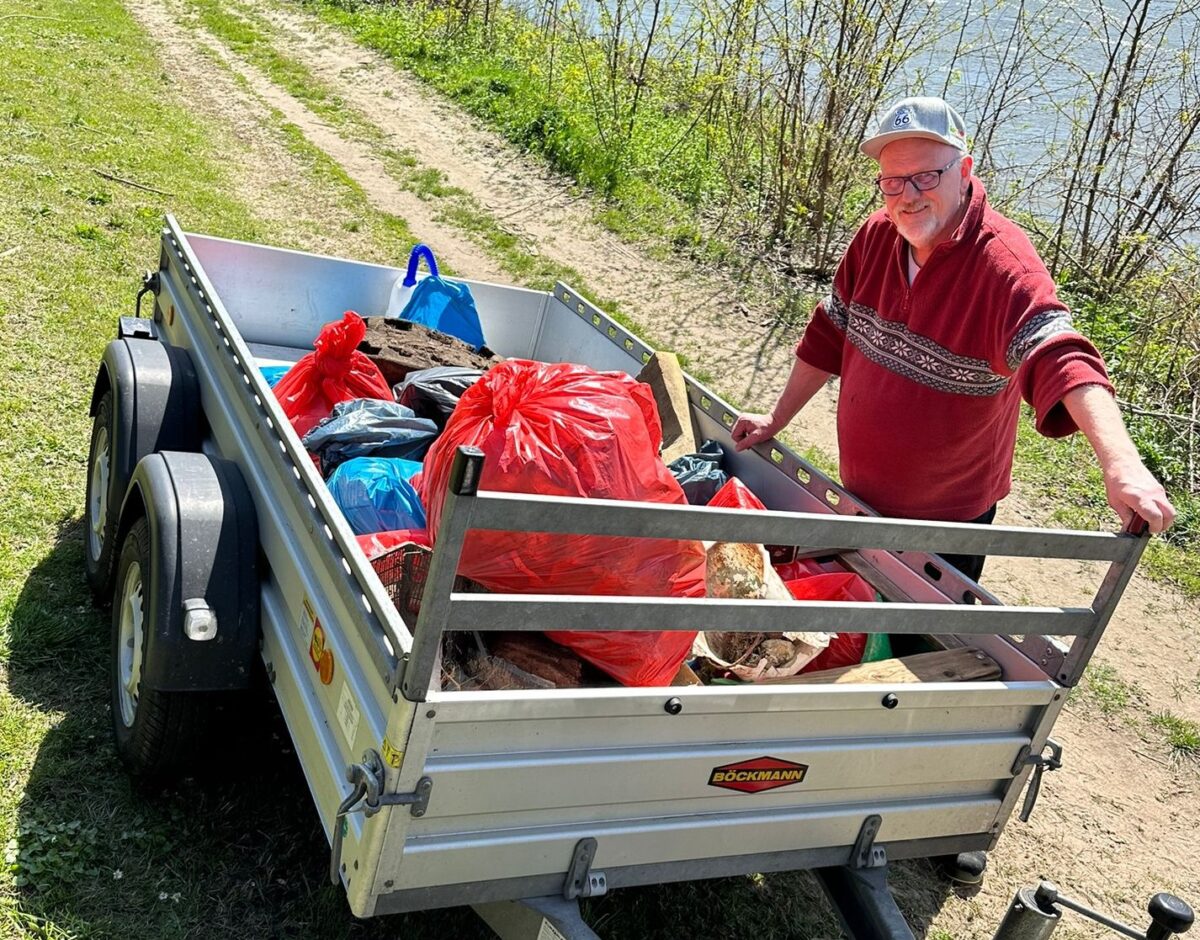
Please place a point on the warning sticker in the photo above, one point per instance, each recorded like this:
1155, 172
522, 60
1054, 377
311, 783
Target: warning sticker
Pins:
348, 714
754, 776
322, 658
391, 755
549, 932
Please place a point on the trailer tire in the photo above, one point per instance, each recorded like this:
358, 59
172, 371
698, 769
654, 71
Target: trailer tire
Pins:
100, 515
158, 734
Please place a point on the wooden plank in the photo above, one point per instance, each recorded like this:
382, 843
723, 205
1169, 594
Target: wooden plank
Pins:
957, 665
665, 378
685, 676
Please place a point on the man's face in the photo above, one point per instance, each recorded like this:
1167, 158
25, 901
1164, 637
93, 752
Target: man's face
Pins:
925, 219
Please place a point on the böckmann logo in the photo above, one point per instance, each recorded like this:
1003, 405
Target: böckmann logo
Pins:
754, 776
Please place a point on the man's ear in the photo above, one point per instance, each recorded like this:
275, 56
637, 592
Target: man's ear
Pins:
968, 164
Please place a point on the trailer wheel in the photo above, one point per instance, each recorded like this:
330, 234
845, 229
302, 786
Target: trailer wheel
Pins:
100, 515
156, 732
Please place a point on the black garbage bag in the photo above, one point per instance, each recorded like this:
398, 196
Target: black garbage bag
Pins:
433, 393
700, 474
369, 427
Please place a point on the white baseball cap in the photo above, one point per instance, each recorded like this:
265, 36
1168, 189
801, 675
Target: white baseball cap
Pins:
930, 118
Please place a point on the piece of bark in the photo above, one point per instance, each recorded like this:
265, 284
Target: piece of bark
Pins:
665, 377
957, 665
541, 657
399, 347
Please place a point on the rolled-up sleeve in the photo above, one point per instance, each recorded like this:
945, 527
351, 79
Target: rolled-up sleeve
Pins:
1054, 369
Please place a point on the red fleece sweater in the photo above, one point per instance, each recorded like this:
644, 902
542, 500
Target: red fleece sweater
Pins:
927, 413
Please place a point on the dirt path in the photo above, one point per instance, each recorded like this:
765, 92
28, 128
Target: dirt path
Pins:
1115, 825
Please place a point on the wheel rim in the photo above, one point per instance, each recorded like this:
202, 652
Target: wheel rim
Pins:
98, 503
129, 651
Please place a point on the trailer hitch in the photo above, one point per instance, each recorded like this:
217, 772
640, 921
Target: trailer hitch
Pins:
1040, 764
150, 284
1034, 914
366, 796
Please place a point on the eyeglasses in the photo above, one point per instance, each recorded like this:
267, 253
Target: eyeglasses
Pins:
922, 182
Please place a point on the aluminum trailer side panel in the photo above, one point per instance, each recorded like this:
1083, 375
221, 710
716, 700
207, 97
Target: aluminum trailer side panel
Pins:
519, 778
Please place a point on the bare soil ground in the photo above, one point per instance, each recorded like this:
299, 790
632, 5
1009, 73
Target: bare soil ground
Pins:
1116, 824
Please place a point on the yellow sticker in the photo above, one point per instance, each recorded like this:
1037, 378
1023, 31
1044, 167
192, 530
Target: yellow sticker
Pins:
321, 656
392, 756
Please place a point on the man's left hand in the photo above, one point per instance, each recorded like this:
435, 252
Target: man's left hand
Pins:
1132, 489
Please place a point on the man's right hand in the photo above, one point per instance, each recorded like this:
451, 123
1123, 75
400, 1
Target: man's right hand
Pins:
751, 429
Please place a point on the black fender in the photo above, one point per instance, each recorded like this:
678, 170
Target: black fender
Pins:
156, 404
204, 558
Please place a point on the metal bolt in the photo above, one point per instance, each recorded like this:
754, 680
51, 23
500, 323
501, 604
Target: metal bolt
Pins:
673, 706
431, 714
389, 883
890, 700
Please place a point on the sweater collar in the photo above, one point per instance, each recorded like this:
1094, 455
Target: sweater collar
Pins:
973, 218
967, 230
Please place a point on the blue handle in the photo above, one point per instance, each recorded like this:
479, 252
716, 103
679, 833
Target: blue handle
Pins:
419, 252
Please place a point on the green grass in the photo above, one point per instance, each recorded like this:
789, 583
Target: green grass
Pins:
1182, 735
1104, 689
85, 855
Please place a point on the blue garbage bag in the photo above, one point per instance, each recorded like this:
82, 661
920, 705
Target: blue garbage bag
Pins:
368, 426
273, 374
700, 474
445, 306
375, 496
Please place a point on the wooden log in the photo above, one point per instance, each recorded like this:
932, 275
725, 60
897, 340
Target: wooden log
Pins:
957, 665
541, 657
665, 378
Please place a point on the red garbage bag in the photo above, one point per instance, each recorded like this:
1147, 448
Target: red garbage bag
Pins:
735, 495
566, 430
377, 544
335, 371
845, 649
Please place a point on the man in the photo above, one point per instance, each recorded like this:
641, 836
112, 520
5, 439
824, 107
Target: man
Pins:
941, 318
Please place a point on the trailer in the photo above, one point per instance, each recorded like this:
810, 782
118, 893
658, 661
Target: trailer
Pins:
220, 547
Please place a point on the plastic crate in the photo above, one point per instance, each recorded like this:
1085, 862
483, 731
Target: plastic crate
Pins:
404, 571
